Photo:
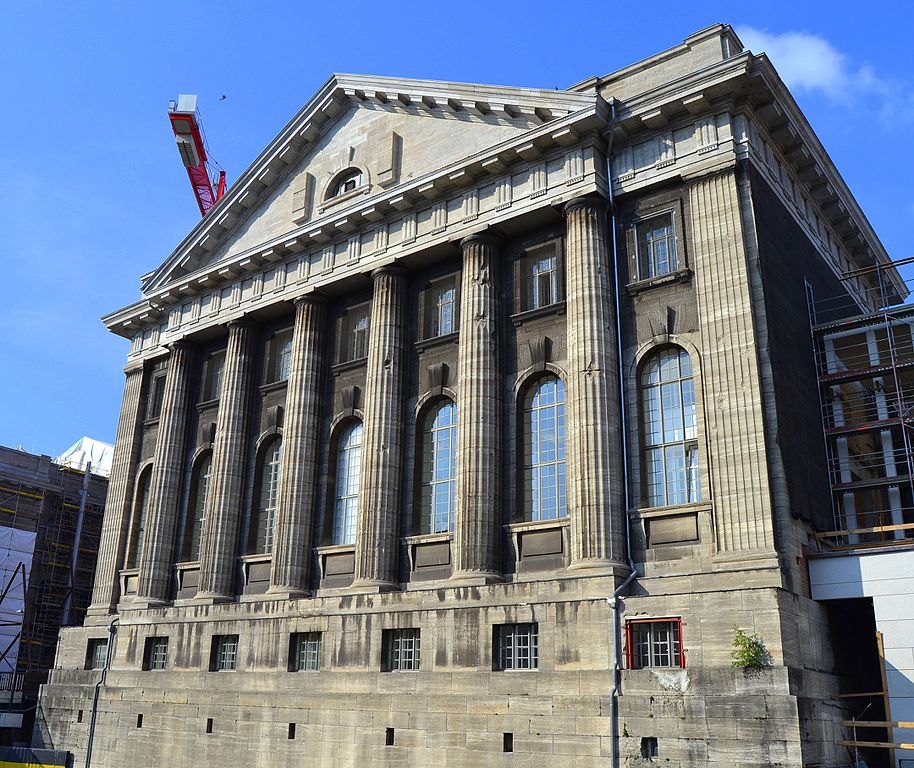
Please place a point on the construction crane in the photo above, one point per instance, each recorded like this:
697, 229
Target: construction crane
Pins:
185, 122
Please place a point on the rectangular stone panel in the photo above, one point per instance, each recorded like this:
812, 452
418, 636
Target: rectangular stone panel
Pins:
432, 554
674, 529
537, 543
342, 564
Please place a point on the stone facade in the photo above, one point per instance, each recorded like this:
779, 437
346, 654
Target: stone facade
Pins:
496, 250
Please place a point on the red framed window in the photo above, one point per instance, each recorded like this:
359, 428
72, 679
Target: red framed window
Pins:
654, 643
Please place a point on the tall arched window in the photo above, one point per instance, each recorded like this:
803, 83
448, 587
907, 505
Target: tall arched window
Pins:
669, 435
348, 476
263, 522
439, 467
196, 508
544, 450
140, 510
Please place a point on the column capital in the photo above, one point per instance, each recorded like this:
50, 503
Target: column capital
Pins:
135, 366
593, 202
389, 269
486, 237
315, 297
179, 345
240, 323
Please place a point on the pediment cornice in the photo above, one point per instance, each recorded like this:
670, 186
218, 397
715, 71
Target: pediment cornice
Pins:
528, 108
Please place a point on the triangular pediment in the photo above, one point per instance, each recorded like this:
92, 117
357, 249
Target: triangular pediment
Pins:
395, 132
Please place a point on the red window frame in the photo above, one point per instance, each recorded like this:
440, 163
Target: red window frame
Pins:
629, 644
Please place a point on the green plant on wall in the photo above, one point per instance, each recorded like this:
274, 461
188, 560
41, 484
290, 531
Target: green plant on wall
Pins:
749, 652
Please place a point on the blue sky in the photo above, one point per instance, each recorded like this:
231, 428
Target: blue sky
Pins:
93, 194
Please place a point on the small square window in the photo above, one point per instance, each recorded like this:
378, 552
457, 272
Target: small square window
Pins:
278, 364
401, 650
212, 376
655, 244
517, 646
305, 652
353, 344
97, 653
155, 657
540, 277
224, 655
441, 308
655, 643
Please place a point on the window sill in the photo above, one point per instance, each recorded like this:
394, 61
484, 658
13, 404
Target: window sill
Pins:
527, 315
648, 512
428, 538
205, 405
679, 276
364, 189
348, 365
437, 341
151, 421
534, 525
335, 549
259, 557
273, 386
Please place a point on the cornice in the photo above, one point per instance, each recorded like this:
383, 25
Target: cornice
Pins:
517, 106
418, 193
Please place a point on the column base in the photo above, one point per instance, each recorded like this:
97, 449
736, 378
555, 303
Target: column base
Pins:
373, 586
278, 592
600, 567
475, 578
145, 603
99, 616
211, 598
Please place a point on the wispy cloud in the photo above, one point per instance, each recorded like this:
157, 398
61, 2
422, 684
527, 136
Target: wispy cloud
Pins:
809, 62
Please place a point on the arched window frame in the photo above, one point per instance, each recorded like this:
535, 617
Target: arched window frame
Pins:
348, 182
346, 482
668, 428
195, 516
542, 461
138, 517
437, 466
265, 504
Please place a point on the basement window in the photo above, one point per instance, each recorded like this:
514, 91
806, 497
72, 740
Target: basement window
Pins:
401, 650
97, 653
654, 643
224, 654
155, 657
518, 646
305, 652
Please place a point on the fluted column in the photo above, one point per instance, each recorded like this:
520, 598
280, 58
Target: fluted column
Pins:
219, 551
158, 545
297, 490
478, 413
119, 499
379, 500
594, 446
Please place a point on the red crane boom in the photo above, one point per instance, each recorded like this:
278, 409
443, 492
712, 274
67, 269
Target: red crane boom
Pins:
185, 123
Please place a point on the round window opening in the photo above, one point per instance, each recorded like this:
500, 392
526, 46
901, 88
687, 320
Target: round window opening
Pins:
347, 182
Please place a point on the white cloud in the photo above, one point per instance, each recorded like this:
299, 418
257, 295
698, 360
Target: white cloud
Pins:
809, 62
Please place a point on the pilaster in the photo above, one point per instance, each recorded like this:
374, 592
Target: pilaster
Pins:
157, 551
298, 487
119, 499
737, 459
478, 414
594, 445
219, 552
379, 501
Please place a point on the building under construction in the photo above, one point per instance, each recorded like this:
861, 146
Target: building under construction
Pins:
47, 510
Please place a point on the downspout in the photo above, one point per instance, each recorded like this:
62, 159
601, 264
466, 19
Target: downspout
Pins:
615, 602
112, 631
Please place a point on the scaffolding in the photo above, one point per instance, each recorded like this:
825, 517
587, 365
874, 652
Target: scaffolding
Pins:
865, 364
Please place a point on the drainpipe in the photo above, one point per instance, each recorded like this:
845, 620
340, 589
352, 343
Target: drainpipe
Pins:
112, 631
615, 602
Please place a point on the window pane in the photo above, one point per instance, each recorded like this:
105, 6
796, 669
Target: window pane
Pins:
348, 471
656, 246
670, 460
439, 468
544, 450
